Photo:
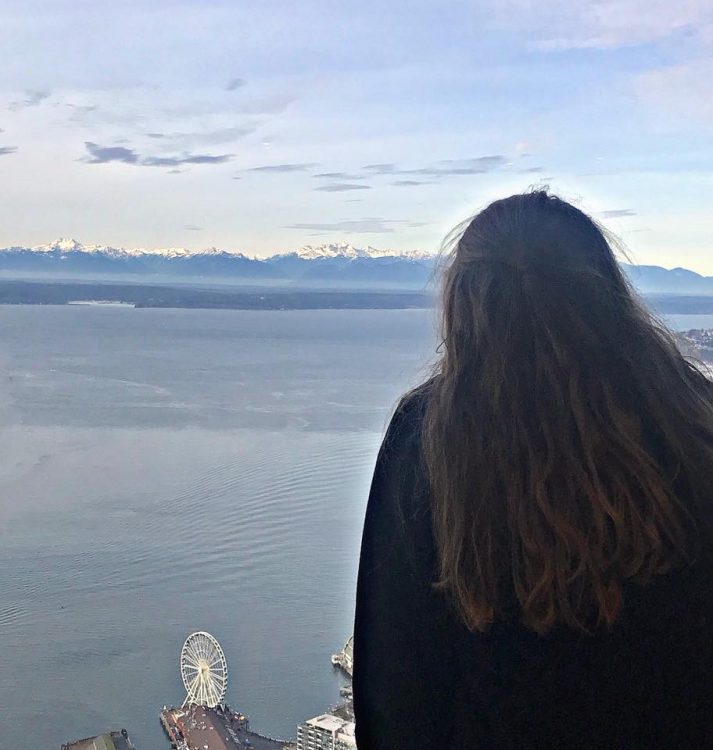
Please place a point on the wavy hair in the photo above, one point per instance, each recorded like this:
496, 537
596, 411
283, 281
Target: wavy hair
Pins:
568, 443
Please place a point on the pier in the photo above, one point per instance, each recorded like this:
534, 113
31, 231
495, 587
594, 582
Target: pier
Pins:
218, 728
205, 721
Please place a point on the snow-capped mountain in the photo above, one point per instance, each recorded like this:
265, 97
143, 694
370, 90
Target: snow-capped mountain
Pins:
68, 257
63, 245
348, 251
330, 263
343, 263
308, 252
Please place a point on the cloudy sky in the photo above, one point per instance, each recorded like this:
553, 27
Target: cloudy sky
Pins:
263, 126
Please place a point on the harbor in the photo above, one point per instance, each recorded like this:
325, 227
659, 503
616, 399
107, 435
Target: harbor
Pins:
204, 721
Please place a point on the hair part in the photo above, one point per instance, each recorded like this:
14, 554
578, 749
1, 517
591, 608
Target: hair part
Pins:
568, 443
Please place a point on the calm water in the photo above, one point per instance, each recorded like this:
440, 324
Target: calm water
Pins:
686, 322
170, 470
166, 471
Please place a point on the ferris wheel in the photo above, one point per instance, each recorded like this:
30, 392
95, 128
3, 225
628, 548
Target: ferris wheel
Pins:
204, 670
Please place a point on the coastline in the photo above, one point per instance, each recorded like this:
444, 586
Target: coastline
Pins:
210, 296
97, 294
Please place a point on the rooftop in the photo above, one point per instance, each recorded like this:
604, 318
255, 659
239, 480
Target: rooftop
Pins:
110, 741
328, 722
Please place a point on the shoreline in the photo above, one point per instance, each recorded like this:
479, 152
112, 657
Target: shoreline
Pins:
204, 297
143, 296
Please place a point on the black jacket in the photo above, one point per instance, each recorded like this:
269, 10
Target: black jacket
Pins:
422, 680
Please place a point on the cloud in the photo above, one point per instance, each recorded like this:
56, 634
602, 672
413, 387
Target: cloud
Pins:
126, 112
32, 99
443, 168
234, 83
409, 183
173, 161
82, 107
606, 24
267, 105
220, 135
35, 97
618, 213
206, 137
193, 228
340, 187
380, 168
532, 170
104, 154
679, 92
89, 115
338, 176
373, 225
283, 168
5, 150
478, 165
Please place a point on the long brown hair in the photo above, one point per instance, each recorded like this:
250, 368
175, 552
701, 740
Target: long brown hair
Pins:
568, 443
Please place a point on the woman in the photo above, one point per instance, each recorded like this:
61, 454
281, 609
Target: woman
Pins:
536, 561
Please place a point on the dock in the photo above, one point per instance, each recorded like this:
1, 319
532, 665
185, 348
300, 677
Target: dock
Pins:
219, 728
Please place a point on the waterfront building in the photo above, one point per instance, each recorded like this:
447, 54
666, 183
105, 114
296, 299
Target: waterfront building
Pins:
345, 658
326, 732
109, 741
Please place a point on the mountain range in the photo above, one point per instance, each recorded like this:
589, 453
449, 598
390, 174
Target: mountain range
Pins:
314, 265
330, 263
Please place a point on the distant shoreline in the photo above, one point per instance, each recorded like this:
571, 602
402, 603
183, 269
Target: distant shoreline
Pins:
144, 296
206, 297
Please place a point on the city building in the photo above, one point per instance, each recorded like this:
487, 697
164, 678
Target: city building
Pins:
110, 741
326, 732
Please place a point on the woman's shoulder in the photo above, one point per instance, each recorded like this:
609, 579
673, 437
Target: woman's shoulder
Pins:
407, 420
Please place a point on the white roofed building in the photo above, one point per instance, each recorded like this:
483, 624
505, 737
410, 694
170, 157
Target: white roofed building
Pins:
326, 732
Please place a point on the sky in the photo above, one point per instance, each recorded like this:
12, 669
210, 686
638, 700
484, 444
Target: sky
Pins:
264, 126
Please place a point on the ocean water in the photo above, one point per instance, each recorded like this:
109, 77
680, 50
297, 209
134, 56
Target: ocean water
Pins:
687, 322
164, 471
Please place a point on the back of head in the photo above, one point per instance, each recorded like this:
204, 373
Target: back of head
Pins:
569, 445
